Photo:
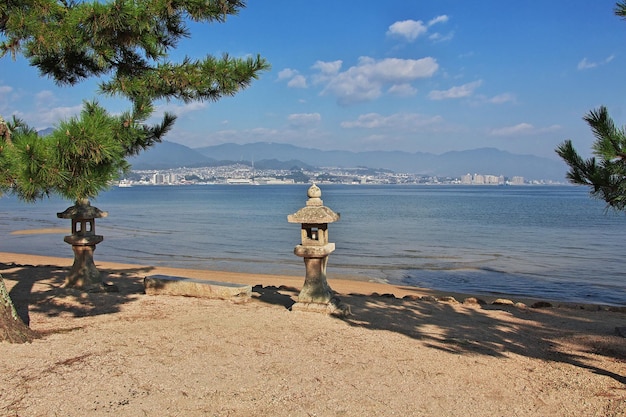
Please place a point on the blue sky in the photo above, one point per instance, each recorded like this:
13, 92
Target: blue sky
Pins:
417, 76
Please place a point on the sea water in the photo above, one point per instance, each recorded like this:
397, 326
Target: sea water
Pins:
551, 242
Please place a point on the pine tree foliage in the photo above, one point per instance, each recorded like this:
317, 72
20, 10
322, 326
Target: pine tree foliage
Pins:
127, 39
620, 9
126, 45
605, 173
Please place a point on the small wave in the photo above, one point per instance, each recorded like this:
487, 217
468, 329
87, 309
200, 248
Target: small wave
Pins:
487, 281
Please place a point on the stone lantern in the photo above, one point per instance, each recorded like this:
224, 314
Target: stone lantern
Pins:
84, 239
316, 294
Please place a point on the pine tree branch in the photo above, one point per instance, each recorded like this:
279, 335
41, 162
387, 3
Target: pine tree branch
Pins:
126, 44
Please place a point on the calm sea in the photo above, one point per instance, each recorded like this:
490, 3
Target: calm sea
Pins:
549, 242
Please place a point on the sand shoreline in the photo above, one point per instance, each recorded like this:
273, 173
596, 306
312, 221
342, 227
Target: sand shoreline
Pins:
342, 284
404, 351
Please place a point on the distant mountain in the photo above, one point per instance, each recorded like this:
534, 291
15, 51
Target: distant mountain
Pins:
292, 164
45, 132
456, 163
167, 155
283, 156
393, 160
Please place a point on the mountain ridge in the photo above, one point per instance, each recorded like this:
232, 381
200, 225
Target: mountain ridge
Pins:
490, 161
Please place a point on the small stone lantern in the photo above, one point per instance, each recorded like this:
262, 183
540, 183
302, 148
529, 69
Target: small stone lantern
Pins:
84, 239
316, 294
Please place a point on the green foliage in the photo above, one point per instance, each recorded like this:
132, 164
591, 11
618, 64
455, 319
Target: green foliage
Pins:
33, 157
6, 174
127, 39
209, 79
620, 9
86, 153
125, 44
605, 173
20, 147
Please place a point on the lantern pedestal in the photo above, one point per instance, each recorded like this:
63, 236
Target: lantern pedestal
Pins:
316, 295
315, 288
84, 274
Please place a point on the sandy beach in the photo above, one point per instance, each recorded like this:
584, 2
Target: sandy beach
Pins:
403, 351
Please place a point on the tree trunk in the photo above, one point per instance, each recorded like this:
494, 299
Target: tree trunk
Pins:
12, 328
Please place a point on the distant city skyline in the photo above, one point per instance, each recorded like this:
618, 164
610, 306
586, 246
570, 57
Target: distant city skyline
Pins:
429, 76
240, 174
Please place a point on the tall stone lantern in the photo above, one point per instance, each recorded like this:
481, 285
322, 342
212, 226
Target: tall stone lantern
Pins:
84, 274
316, 294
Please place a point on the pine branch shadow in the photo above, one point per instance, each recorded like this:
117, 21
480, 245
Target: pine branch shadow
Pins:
562, 335
39, 289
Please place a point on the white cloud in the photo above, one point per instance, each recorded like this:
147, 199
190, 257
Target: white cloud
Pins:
301, 137
523, 129
304, 119
518, 129
585, 64
438, 37
299, 81
439, 19
413, 29
409, 29
287, 73
180, 110
366, 80
44, 98
42, 112
295, 79
461, 91
400, 121
395, 69
52, 116
228, 136
328, 68
502, 98
5, 93
402, 90
5, 90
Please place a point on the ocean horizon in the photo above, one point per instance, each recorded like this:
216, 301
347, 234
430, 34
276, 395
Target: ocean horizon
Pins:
548, 242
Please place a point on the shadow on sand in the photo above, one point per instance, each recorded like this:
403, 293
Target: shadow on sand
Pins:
564, 335
39, 288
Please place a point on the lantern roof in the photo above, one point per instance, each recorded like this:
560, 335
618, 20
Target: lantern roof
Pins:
82, 210
314, 212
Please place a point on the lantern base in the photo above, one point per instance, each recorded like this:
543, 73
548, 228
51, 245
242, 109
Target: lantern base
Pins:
84, 274
316, 294
334, 307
